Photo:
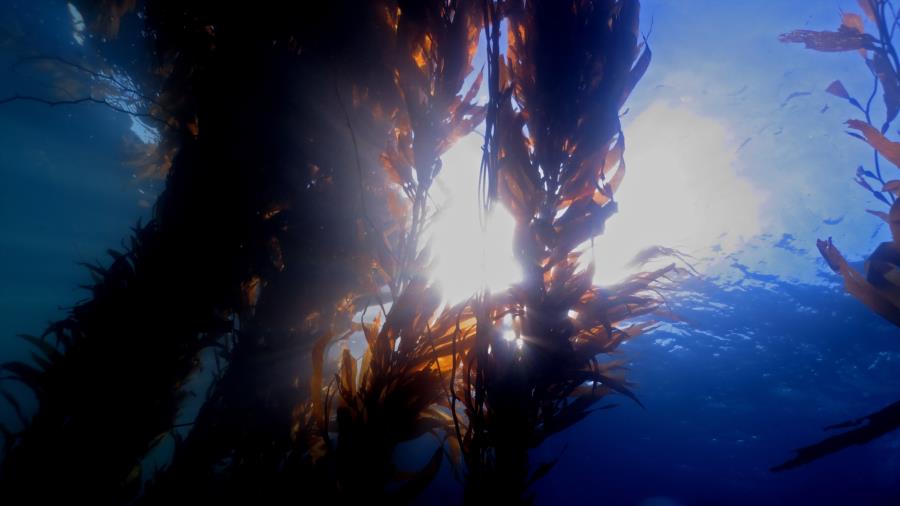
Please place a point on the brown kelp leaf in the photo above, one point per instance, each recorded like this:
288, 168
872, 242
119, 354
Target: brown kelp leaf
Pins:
845, 39
396, 207
882, 270
855, 283
348, 375
868, 9
517, 192
250, 290
894, 221
881, 67
619, 386
852, 21
837, 89
887, 148
892, 186
831, 255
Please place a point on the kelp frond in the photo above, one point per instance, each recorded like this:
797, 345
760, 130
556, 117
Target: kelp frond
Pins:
394, 393
532, 369
879, 287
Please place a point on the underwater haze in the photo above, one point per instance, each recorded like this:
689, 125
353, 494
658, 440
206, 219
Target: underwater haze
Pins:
737, 157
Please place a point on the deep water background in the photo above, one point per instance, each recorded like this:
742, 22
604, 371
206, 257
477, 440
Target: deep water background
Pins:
769, 350
755, 378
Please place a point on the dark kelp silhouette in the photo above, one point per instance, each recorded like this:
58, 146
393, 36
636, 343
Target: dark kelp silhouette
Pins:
555, 161
299, 144
230, 216
874, 426
878, 288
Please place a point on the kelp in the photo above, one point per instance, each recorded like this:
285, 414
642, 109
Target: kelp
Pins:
557, 161
229, 219
392, 395
81, 408
299, 148
874, 425
346, 96
879, 286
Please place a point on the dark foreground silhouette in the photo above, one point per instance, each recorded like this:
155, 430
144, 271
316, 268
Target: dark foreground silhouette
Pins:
876, 425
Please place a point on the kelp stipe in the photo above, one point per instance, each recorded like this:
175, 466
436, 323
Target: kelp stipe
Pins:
532, 369
878, 288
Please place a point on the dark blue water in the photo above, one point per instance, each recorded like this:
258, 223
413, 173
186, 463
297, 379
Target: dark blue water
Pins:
753, 380
769, 349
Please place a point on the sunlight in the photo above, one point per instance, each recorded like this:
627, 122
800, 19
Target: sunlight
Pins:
681, 190
466, 258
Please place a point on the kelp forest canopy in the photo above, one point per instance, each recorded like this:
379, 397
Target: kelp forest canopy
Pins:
298, 143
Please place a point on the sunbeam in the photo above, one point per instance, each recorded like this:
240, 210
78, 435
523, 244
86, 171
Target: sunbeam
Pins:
466, 257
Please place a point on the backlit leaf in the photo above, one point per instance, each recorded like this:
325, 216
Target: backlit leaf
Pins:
845, 39
892, 186
881, 67
887, 148
837, 89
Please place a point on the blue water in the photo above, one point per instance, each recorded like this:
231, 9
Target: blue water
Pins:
770, 348
754, 379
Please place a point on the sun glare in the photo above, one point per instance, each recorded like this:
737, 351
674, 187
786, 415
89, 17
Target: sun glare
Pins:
467, 258
681, 191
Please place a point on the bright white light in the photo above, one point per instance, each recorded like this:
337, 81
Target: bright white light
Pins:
681, 190
467, 258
